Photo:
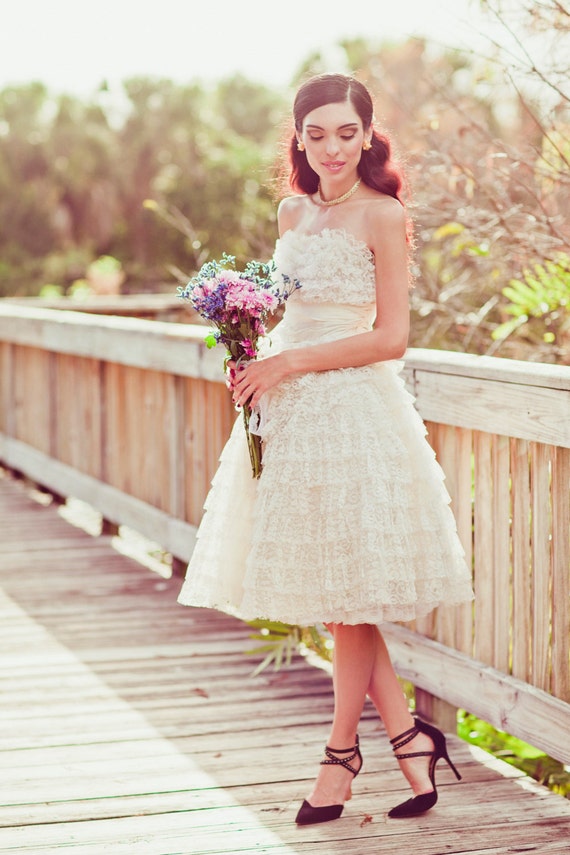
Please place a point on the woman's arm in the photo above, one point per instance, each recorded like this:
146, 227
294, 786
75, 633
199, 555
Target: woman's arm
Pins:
386, 223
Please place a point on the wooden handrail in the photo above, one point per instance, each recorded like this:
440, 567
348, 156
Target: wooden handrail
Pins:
131, 415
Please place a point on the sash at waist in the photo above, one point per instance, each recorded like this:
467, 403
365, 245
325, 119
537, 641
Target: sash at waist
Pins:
317, 322
311, 323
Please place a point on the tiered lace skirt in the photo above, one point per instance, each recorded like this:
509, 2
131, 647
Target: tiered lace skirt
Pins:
350, 521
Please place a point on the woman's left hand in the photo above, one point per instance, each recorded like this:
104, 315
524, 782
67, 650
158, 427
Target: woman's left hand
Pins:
255, 377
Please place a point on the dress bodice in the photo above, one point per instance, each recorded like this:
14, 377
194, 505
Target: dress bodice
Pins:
332, 266
337, 297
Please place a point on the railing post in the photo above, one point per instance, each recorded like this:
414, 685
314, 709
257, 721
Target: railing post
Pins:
435, 710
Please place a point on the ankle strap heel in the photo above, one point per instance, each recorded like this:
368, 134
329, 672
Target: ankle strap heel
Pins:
343, 761
309, 815
425, 801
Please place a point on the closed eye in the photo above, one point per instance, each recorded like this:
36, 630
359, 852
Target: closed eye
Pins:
342, 136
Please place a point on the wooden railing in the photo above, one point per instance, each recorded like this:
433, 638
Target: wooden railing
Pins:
126, 414
130, 416
156, 306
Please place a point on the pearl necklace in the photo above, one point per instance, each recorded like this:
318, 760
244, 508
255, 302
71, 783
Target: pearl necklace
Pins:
320, 201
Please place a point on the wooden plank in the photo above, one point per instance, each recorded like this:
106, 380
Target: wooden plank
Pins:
174, 535
154, 345
75, 423
463, 509
52, 420
178, 348
177, 464
446, 452
484, 539
513, 409
7, 390
560, 575
196, 439
32, 394
231, 827
488, 367
501, 552
129, 724
521, 559
153, 305
133, 420
541, 564
168, 426
113, 425
220, 419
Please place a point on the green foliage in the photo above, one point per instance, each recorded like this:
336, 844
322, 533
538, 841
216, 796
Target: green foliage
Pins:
50, 291
250, 111
449, 307
523, 756
539, 302
74, 176
105, 264
281, 641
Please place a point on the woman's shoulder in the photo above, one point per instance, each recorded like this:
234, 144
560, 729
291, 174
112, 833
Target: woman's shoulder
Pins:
383, 215
290, 212
382, 207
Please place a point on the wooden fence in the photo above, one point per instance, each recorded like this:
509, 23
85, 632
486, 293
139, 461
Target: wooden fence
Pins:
130, 415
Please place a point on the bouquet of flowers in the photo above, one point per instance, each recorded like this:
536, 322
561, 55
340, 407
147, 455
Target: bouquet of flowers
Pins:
237, 305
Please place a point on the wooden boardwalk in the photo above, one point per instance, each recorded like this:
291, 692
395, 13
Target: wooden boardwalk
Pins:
130, 725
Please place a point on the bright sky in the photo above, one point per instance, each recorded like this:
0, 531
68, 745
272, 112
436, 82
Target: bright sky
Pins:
73, 45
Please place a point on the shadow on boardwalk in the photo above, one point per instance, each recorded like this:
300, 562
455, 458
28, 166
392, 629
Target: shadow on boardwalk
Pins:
130, 725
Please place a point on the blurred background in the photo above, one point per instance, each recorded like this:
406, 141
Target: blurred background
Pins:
138, 140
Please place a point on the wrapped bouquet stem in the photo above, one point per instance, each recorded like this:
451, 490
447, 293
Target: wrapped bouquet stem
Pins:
253, 443
237, 305
253, 439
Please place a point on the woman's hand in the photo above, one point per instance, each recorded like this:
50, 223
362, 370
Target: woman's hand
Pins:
255, 377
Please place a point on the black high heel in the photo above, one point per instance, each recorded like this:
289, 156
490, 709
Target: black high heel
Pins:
425, 801
307, 813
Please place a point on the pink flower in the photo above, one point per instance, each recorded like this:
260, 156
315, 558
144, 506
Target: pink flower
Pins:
249, 348
236, 305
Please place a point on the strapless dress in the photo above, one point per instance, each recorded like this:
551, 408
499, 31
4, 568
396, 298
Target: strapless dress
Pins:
350, 520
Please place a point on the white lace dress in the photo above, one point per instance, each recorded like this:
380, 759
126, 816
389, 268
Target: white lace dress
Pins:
350, 520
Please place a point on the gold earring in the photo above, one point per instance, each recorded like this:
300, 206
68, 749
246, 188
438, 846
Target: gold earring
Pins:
366, 145
300, 146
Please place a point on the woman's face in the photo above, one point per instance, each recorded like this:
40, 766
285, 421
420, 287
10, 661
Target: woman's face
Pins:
333, 135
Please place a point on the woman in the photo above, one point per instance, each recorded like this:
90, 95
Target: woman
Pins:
349, 524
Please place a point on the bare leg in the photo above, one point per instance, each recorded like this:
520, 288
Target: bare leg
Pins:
353, 662
362, 666
386, 694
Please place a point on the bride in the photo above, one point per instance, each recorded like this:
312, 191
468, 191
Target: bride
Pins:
349, 524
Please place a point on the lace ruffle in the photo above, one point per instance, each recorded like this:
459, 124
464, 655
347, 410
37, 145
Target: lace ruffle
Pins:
332, 266
350, 520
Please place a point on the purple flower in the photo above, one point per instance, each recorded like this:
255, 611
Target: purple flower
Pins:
237, 305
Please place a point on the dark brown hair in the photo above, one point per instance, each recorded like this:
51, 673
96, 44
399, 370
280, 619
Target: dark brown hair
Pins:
376, 167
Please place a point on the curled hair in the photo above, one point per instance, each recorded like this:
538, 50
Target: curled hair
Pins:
376, 167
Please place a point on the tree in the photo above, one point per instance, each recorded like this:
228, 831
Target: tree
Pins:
74, 179
491, 185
